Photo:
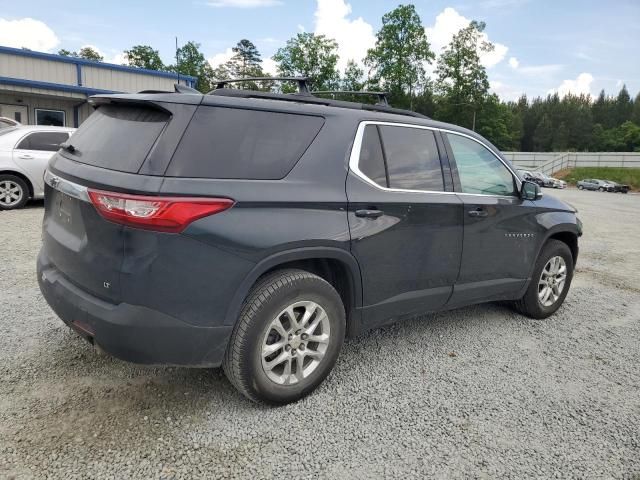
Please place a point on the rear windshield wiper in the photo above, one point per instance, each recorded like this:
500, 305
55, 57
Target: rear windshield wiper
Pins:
68, 147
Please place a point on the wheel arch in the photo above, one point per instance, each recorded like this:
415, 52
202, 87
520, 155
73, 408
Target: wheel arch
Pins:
22, 176
335, 265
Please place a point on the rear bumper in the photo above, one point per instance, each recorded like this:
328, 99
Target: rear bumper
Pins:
130, 332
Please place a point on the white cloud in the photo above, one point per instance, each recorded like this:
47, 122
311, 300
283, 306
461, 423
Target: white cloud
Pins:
448, 23
514, 63
27, 33
118, 59
269, 66
220, 58
354, 37
506, 91
582, 84
243, 3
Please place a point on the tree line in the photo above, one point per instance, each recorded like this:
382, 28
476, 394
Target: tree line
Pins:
458, 92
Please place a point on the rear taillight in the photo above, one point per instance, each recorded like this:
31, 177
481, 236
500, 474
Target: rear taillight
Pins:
164, 214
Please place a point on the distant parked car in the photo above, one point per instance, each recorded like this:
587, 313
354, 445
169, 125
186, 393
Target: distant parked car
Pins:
595, 184
619, 187
525, 175
558, 183
535, 178
24, 154
541, 179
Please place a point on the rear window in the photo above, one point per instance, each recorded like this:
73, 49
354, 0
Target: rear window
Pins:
118, 137
238, 143
412, 157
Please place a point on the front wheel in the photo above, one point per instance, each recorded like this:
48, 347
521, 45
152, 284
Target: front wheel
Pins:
550, 281
601, 189
580, 187
287, 338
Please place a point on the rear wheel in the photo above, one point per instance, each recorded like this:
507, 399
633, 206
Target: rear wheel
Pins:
287, 338
14, 192
550, 281
580, 187
601, 189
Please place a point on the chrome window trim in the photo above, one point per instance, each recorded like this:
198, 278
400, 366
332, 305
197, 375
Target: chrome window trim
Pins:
354, 158
67, 187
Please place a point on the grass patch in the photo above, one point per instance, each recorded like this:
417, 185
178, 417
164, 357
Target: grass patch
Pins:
628, 176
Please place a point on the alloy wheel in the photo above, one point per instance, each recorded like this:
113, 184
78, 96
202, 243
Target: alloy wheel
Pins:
552, 280
295, 343
10, 193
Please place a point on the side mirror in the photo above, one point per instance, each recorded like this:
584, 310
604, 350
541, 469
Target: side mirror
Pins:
530, 191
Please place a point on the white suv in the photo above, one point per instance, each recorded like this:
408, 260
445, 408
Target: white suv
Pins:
24, 154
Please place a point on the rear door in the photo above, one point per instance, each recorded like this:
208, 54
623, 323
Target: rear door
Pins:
405, 221
499, 243
33, 151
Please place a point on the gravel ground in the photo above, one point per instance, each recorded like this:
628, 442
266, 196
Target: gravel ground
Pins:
479, 392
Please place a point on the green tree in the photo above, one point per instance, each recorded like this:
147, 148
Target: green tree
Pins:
67, 53
623, 106
88, 53
309, 55
246, 61
143, 56
191, 61
543, 136
353, 78
494, 122
401, 50
635, 113
462, 79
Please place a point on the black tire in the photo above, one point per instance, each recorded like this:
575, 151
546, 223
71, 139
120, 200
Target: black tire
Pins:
269, 297
580, 187
601, 189
530, 304
20, 184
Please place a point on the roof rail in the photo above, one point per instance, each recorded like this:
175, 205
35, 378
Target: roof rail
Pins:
310, 99
303, 88
382, 96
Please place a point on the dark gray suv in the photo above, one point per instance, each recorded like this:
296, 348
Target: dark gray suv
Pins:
256, 230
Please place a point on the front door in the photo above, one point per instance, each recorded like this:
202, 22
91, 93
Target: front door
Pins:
499, 227
405, 221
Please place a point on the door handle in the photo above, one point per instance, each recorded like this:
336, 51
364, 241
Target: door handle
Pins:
25, 155
478, 212
369, 213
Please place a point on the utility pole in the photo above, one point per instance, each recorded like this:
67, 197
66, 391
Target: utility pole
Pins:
177, 61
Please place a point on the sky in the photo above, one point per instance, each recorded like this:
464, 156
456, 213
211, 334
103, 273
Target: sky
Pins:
540, 46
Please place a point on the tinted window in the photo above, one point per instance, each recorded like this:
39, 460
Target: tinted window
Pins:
117, 137
479, 169
237, 143
50, 117
371, 160
412, 158
47, 141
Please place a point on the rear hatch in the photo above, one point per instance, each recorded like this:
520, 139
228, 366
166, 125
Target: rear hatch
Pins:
107, 153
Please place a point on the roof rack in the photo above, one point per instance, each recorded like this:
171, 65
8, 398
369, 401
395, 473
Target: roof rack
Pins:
303, 95
382, 96
303, 88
